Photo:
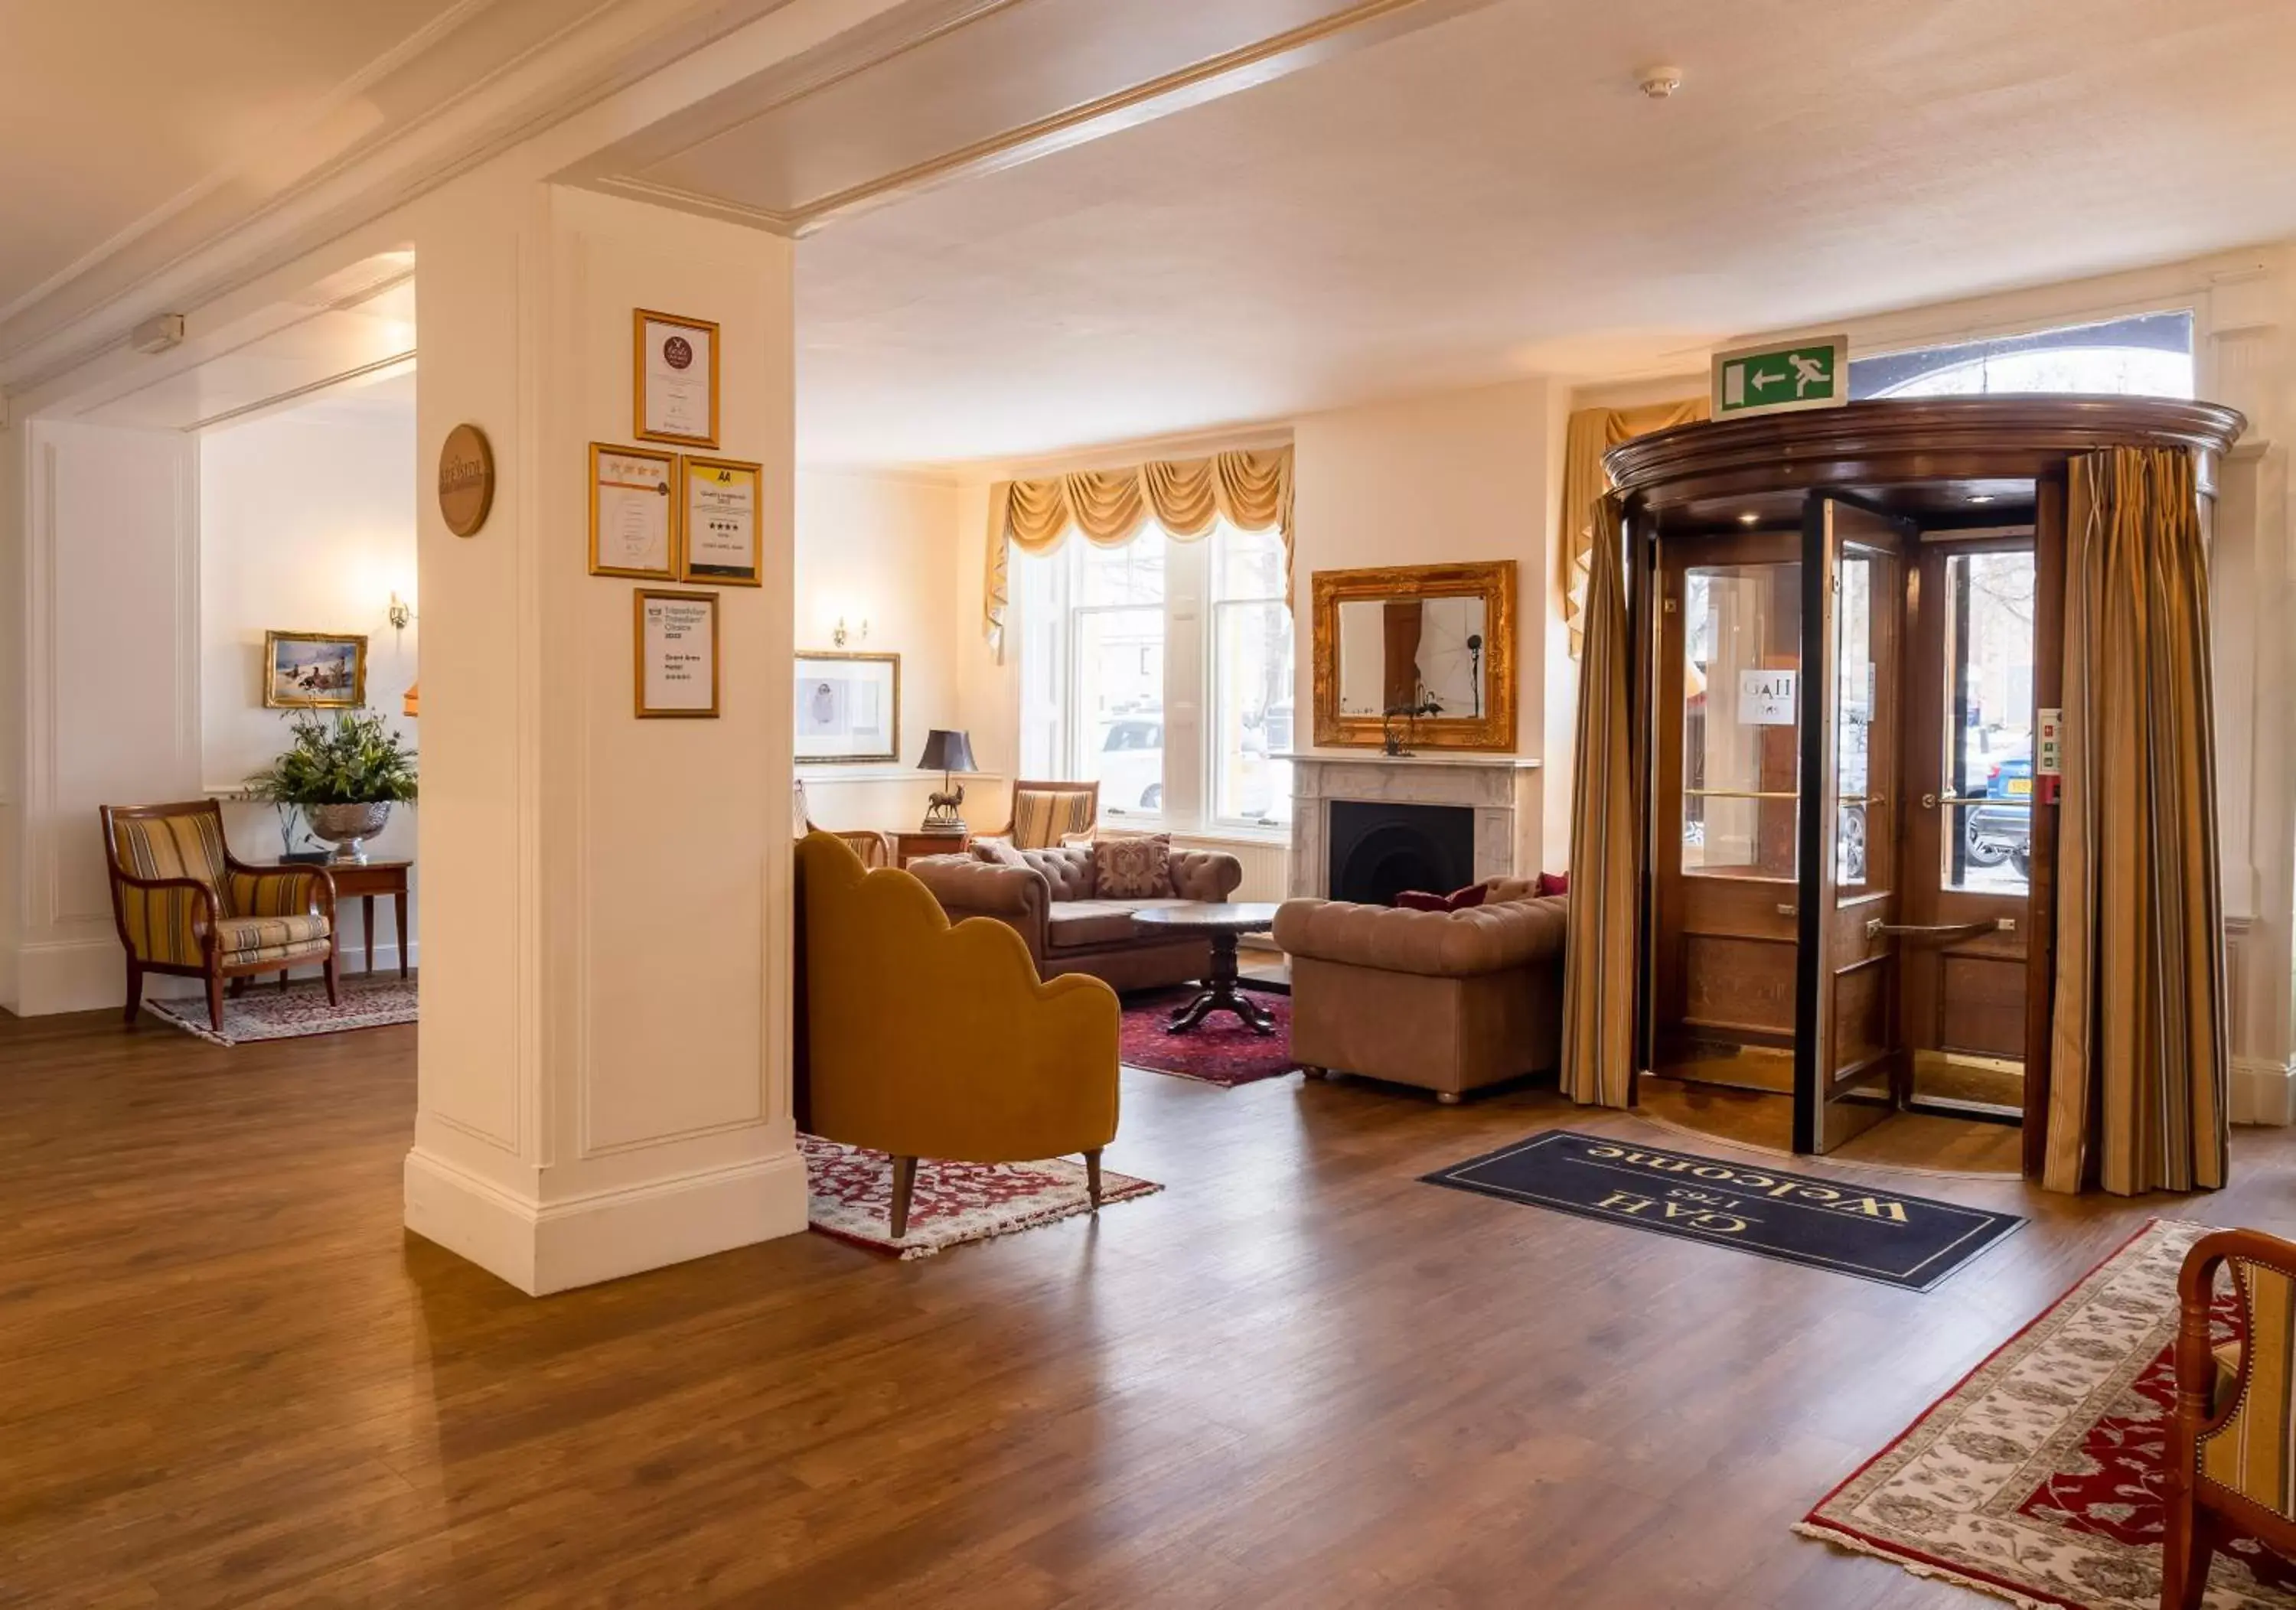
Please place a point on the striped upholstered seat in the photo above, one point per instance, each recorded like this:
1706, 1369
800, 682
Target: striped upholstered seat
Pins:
1045, 813
184, 905
2232, 1446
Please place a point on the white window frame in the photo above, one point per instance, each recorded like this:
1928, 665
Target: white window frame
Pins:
1246, 825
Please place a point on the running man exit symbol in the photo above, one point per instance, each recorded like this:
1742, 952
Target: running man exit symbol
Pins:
1777, 379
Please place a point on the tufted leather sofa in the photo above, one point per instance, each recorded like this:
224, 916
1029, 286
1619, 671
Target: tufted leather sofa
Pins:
1446, 1000
1049, 903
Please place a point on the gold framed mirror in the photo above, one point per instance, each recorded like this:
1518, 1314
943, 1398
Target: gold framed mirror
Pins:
1426, 651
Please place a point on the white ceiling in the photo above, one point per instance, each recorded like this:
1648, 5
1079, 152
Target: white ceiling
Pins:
1489, 196
179, 104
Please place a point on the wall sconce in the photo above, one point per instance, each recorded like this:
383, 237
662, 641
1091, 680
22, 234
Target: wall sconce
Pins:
839, 636
400, 613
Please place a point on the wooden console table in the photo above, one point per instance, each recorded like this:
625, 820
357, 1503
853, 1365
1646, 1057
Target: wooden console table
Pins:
911, 847
364, 883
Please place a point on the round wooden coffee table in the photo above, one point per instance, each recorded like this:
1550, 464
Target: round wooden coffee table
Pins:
1223, 923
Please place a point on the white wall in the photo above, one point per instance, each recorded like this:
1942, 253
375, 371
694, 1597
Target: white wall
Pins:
103, 542
882, 548
1450, 477
307, 524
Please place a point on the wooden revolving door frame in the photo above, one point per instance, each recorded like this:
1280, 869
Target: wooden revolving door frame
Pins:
1880, 492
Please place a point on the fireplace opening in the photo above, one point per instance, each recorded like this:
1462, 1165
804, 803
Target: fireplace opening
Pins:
1380, 849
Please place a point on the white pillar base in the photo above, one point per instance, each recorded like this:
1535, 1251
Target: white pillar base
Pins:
540, 1248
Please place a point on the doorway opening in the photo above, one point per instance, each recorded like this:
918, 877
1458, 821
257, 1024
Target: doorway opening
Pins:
1841, 793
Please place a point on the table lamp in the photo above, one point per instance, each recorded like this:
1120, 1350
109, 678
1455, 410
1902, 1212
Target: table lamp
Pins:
946, 752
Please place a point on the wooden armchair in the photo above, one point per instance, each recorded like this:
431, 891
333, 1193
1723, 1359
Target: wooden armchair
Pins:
1045, 813
874, 848
184, 905
2232, 1446
921, 1039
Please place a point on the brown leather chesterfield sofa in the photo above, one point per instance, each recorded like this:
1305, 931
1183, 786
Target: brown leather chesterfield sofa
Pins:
1446, 1000
1050, 903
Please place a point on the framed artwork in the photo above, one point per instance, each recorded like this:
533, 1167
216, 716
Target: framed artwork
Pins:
673, 379
314, 671
676, 639
633, 512
849, 706
719, 520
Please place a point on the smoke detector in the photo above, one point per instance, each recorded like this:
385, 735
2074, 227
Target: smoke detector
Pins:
1658, 82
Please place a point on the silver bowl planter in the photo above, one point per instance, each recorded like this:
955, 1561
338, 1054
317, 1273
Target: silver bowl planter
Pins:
346, 825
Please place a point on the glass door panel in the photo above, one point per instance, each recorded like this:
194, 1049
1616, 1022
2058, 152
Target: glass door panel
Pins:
1727, 800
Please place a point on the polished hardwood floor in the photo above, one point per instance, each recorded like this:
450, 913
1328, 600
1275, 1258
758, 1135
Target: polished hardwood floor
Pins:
1297, 1377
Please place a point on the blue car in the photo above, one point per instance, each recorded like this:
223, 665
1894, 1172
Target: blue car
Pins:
2002, 828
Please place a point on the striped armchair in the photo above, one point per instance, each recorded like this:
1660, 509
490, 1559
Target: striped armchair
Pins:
2232, 1447
184, 906
1043, 813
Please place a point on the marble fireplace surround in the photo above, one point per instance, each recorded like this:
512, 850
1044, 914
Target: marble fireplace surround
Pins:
1503, 790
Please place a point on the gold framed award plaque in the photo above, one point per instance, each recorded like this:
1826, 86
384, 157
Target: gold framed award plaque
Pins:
720, 518
633, 512
676, 639
673, 379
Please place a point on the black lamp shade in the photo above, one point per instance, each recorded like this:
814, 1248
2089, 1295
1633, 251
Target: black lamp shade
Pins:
947, 751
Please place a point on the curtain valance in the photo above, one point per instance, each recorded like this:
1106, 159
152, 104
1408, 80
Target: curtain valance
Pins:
1251, 489
1593, 432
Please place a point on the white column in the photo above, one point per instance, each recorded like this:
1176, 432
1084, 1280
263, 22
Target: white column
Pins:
604, 1054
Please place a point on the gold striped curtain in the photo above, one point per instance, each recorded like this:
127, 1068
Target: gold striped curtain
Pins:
1251, 489
1598, 967
1591, 433
2140, 1064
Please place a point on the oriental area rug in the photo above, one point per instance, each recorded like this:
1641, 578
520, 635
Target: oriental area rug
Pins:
2040, 1479
265, 1013
1220, 1051
850, 1196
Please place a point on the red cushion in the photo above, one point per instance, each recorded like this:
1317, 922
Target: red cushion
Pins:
1457, 900
1554, 883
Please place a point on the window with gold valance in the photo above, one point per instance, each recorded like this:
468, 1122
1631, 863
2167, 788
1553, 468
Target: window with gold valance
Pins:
1249, 490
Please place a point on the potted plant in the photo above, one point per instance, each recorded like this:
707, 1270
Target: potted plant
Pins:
344, 774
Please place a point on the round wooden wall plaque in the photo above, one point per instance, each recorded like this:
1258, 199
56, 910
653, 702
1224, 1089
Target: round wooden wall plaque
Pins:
466, 480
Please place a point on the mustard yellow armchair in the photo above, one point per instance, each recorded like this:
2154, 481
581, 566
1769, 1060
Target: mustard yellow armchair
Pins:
184, 904
921, 1039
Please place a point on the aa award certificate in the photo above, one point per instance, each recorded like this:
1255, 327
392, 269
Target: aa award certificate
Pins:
721, 522
674, 382
677, 653
632, 515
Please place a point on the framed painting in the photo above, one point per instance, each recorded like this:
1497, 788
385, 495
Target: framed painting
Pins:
849, 708
314, 671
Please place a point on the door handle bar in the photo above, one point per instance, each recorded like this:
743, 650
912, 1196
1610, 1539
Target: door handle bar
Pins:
1942, 932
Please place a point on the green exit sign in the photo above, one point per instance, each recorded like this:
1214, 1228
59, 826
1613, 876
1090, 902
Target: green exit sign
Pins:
1807, 373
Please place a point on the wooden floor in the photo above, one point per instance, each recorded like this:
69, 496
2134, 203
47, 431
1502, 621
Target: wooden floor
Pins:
1920, 1141
1297, 1378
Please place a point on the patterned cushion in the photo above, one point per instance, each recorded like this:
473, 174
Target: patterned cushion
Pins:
285, 955
237, 933
1041, 816
1128, 867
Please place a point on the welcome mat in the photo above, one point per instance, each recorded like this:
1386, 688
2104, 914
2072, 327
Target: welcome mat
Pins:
1222, 1049
264, 1013
1913, 1242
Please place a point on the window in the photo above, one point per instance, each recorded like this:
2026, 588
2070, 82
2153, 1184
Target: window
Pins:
1096, 679
1251, 705
2148, 354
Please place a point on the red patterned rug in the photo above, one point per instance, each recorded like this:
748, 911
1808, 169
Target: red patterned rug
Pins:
2040, 1478
268, 1013
1218, 1050
851, 1197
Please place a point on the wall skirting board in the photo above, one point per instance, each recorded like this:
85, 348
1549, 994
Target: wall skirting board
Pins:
541, 1248
67, 976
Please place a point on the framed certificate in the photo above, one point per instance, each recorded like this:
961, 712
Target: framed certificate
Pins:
720, 521
677, 653
633, 512
674, 384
